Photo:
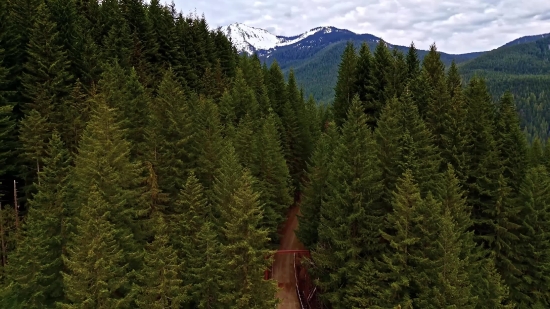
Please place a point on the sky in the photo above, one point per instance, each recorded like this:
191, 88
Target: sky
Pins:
456, 26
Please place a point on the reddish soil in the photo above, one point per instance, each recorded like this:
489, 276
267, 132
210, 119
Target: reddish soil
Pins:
283, 266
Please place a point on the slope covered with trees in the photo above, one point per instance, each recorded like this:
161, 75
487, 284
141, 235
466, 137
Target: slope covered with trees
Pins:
144, 164
422, 193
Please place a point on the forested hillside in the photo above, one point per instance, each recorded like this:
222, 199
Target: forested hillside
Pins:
315, 68
524, 69
144, 164
423, 192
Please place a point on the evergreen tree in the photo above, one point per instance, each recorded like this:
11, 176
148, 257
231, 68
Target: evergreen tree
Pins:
35, 267
246, 251
536, 155
123, 91
96, 274
383, 67
316, 188
207, 141
404, 143
364, 84
350, 214
274, 183
169, 135
534, 249
346, 85
160, 278
7, 121
103, 161
511, 142
276, 88
46, 78
209, 277
413, 63
483, 167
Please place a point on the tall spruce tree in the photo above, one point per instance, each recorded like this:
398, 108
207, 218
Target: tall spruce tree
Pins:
350, 214
160, 278
96, 272
511, 142
103, 162
316, 187
534, 250
346, 84
246, 250
35, 267
364, 84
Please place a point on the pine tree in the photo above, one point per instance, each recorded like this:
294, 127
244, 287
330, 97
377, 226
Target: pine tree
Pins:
207, 142
404, 143
454, 142
103, 161
76, 109
7, 121
413, 63
123, 91
399, 77
511, 142
438, 103
96, 275
383, 67
160, 278
364, 84
442, 273
483, 169
350, 214
536, 154
316, 188
169, 135
346, 85
33, 137
276, 88
35, 267
274, 182
246, 251
534, 249
46, 78
209, 277
388, 282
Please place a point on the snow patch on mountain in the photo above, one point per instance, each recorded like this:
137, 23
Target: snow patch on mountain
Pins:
249, 39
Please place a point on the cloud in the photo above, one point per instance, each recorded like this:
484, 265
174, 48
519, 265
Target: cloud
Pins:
456, 26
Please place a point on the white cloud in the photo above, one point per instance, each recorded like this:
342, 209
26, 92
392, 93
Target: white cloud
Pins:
457, 26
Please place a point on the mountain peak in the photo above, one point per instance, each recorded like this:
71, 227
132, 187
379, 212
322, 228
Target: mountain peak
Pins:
250, 39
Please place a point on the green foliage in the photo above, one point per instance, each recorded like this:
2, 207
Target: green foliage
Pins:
35, 266
350, 214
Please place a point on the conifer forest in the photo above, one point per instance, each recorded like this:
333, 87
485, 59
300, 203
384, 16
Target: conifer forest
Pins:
145, 163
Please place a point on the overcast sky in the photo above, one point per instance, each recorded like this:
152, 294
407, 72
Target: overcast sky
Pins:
457, 26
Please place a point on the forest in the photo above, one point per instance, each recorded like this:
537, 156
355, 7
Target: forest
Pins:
146, 164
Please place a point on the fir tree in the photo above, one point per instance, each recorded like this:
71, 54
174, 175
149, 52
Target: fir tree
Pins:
413, 63
364, 84
160, 278
35, 267
350, 214
534, 249
270, 169
246, 251
536, 154
103, 161
511, 142
210, 275
383, 67
404, 143
345, 86
97, 275
169, 135
316, 187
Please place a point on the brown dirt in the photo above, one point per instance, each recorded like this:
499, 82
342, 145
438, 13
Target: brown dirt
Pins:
283, 266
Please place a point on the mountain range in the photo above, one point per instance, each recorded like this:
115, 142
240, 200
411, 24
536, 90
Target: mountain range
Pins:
315, 54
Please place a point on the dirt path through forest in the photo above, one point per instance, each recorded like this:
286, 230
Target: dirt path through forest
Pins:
283, 266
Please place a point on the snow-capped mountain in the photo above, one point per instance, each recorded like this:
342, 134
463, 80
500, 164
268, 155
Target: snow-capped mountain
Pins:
249, 39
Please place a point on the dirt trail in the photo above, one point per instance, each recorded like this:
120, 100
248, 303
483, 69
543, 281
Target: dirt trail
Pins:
283, 266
